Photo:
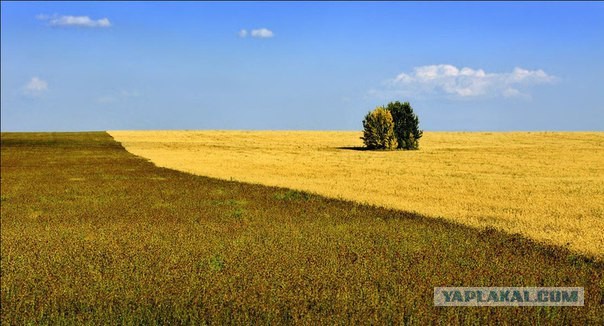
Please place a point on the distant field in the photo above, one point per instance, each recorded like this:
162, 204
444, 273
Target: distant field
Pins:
92, 234
546, 185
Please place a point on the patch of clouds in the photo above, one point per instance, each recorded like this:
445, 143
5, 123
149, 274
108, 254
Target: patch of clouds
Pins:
35, 87
512, 92
257, 33
464, 82
74, 21
262, 33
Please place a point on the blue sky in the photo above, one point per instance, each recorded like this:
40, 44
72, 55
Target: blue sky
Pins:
300, 65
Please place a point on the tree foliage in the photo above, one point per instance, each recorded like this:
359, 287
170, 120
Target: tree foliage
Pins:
378, 130
406, 125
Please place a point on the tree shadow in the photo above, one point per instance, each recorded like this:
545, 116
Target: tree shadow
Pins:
354, 148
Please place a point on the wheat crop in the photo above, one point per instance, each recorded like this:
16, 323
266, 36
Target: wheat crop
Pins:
545, 185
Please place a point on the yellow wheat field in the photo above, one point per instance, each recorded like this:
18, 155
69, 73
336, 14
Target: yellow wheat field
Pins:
546, 185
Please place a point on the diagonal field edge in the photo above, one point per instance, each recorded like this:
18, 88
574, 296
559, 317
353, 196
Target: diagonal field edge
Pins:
510, 253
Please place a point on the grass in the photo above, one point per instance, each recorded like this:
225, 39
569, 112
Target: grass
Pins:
292, 195
92, 234
546, 185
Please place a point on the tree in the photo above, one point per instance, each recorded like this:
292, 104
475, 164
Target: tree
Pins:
406, 125
378, 130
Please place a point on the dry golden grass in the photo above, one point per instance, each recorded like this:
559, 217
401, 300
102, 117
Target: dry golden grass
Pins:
546, 185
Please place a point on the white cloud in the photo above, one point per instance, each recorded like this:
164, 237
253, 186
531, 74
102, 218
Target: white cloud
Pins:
74, 21
256, 33
465, 82
262, 33
512, 92
35, 87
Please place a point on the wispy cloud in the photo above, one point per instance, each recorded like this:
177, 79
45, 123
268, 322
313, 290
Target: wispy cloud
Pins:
35, 87
74, 21
465, 82
256, 33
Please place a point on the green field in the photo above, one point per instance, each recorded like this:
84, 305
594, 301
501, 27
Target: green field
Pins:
92, 234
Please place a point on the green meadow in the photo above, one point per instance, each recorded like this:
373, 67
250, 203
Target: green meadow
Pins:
92, 234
